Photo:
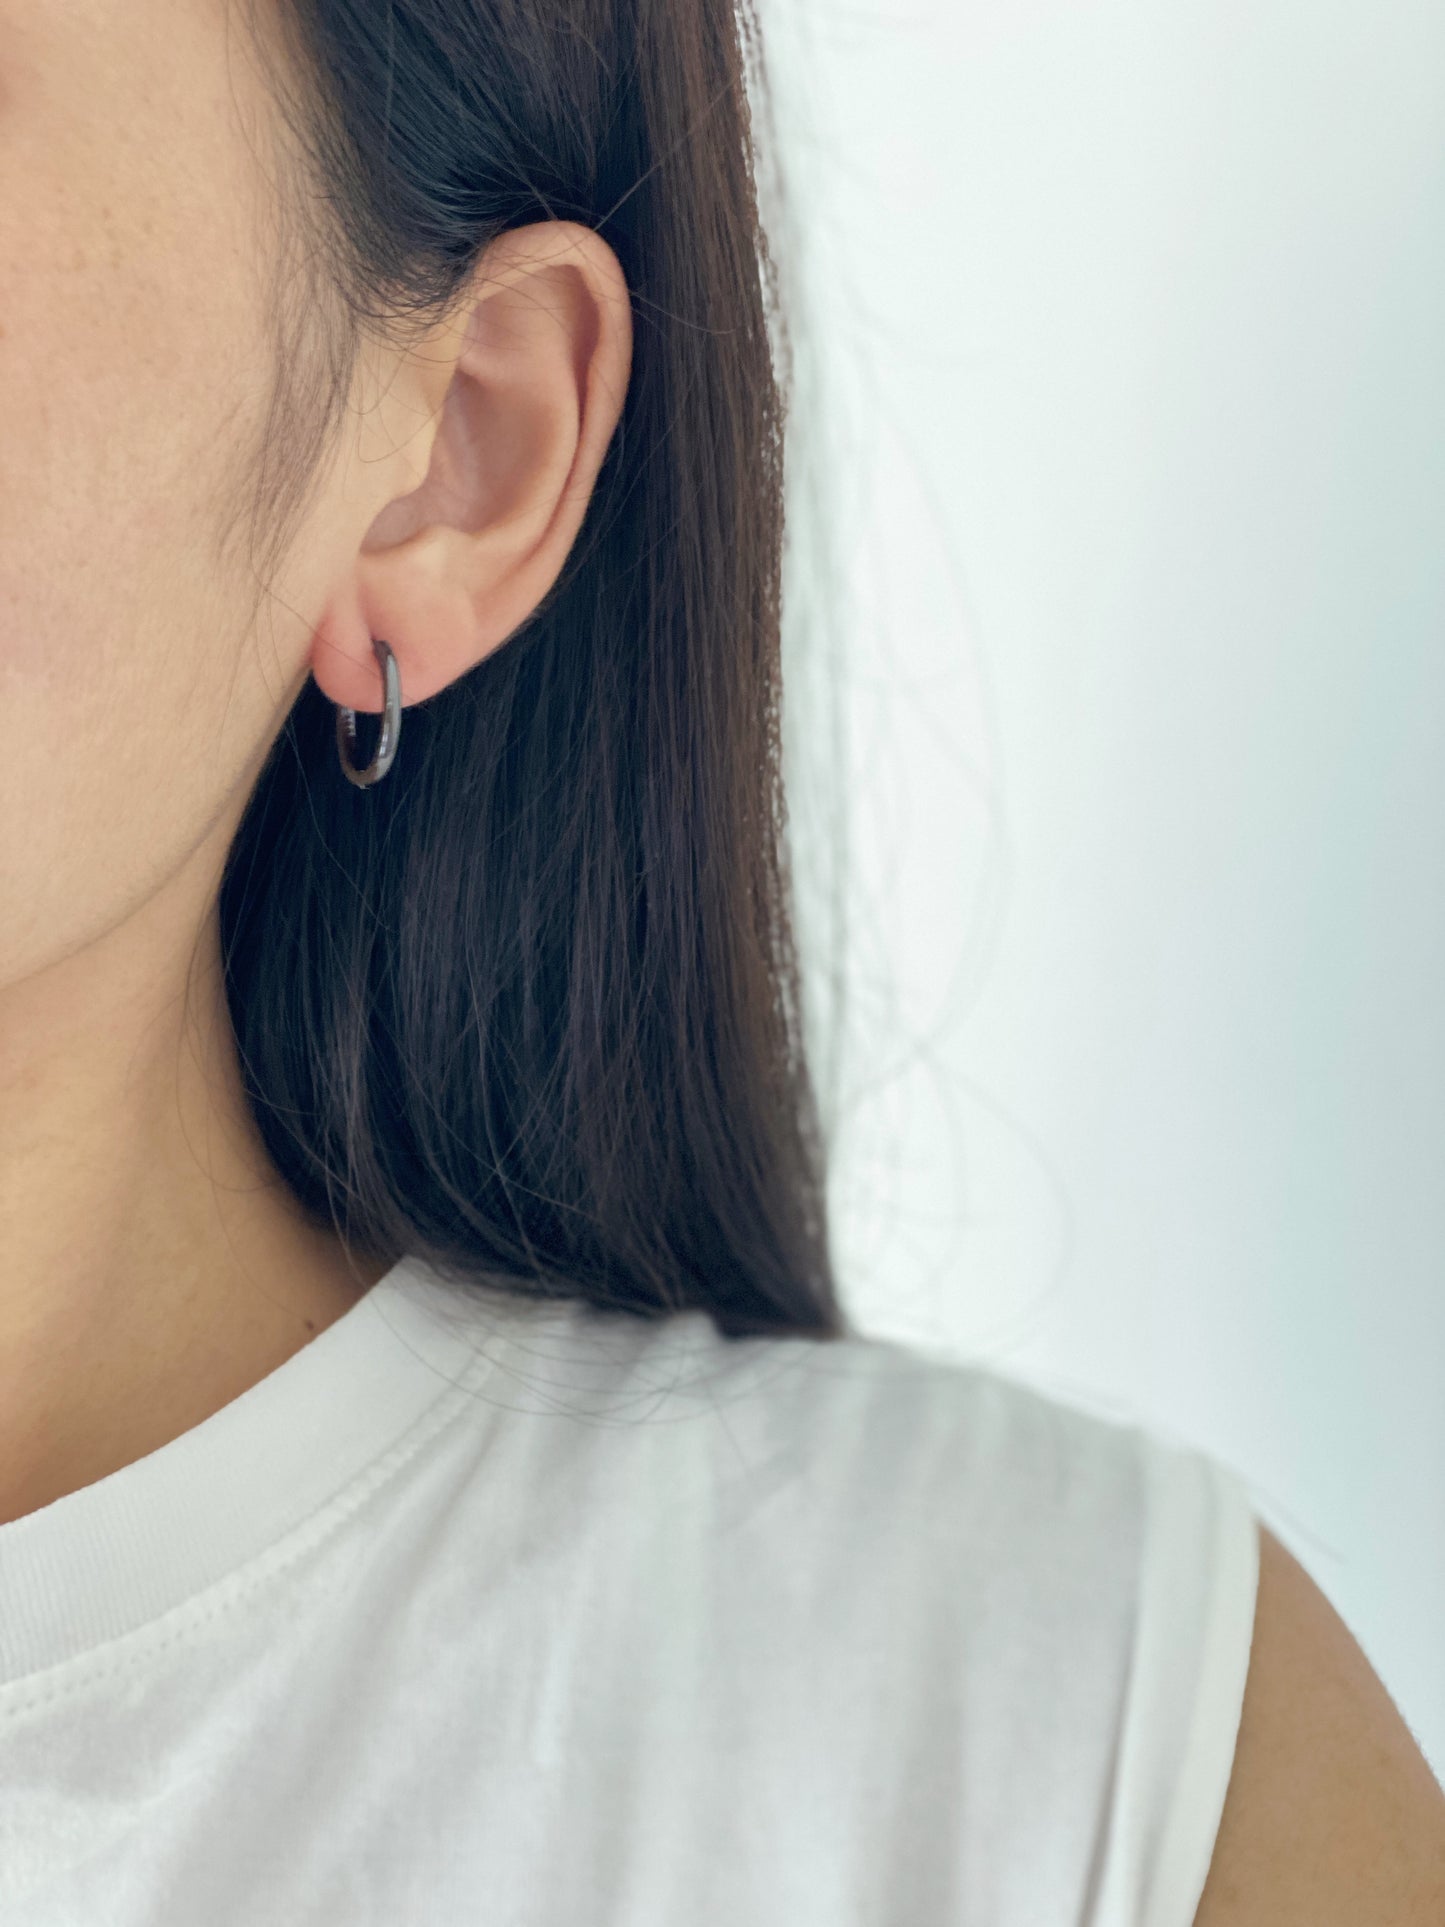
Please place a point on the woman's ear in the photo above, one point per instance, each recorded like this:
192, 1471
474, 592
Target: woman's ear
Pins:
517, 402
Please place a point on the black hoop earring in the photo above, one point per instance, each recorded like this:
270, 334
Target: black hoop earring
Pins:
390, 734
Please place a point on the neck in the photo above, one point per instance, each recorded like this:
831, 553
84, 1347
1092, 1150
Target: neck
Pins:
154, 1263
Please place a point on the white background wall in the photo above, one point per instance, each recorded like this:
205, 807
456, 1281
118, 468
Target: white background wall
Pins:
1123, 373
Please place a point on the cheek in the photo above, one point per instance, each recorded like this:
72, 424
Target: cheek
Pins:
134, 357
132, 696
111, 771
113, 407
102, 563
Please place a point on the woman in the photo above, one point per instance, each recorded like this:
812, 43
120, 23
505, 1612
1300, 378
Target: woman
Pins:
439, 1483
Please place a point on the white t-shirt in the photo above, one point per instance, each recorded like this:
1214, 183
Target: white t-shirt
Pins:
527, 1615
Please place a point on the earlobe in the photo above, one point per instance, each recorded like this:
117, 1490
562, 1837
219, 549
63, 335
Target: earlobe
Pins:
517, 404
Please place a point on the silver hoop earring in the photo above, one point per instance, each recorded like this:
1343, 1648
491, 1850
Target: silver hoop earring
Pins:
390, 734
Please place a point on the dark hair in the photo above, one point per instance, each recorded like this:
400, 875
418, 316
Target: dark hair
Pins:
531, 1007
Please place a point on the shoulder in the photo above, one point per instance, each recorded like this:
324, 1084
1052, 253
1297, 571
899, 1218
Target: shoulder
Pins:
984, 1518
936, 1471
1332, 1816
885, 1424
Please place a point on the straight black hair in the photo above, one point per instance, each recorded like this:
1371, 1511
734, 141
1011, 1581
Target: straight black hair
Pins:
530, 1008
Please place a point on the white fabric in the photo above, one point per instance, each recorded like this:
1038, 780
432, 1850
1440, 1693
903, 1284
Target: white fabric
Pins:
477, 1611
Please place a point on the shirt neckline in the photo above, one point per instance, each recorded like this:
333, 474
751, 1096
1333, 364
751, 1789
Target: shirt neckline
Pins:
114, 1555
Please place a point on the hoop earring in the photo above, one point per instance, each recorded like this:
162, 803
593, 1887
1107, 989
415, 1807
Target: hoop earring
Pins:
390, 734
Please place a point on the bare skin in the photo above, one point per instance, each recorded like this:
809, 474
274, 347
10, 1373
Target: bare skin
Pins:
154, 1265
